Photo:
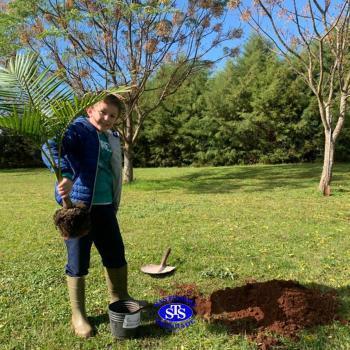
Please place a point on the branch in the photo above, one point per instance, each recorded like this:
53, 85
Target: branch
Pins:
341, 119
268, 14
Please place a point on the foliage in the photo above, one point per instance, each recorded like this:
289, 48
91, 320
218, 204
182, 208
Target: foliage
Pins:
253, 110
172, 134
17, 151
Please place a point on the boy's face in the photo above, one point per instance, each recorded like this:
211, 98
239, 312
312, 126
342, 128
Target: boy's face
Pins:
103, 115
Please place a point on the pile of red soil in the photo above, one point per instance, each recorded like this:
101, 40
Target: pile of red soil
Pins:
282, 307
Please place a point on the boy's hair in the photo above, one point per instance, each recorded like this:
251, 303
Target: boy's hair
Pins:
115, 101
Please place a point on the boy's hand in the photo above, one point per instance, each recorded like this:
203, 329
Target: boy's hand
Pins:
64, 187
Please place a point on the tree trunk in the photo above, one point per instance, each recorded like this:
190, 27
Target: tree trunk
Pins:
328, 161
128, 171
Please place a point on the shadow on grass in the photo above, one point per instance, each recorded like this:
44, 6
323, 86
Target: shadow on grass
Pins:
318, 337
343, 296
162, 275
246, 178
22, 171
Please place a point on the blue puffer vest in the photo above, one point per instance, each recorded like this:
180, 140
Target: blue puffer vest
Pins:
79, 158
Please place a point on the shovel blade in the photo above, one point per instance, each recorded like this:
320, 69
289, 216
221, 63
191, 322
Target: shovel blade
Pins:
156, 269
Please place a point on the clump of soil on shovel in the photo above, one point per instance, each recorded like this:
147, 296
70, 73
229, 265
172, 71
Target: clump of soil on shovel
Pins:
73, 222
277, 306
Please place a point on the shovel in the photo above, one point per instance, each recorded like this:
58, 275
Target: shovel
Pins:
161, 269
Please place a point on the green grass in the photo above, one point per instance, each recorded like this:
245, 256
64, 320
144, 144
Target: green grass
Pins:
224, 225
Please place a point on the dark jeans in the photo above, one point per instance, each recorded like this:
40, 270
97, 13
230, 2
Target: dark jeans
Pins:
105, 234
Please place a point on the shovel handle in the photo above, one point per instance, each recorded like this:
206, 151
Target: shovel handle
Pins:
165, 257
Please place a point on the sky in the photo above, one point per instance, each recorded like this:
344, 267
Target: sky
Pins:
233, 19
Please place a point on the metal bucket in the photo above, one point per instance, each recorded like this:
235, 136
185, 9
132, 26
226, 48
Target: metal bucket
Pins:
124, 318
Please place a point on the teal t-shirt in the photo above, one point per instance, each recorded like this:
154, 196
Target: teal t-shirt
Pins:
104, 179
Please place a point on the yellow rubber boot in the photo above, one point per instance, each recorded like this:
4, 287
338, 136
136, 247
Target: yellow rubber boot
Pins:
80, 323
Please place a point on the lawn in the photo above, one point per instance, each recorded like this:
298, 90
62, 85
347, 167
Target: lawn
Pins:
224, 225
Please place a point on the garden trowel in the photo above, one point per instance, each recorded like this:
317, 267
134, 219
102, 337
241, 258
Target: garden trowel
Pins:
161, 269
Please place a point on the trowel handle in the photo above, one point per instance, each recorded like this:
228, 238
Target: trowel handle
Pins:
165, 257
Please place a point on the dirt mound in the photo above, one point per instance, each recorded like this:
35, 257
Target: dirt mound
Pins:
73, 222
282, 307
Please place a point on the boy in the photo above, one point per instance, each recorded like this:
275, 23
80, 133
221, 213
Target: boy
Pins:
92, 173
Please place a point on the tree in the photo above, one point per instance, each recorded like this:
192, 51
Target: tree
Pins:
314, 38
96, 44
257, 106
253, 110
9, 42
171, 135
17, 151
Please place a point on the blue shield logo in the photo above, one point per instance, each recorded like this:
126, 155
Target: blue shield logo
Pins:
175, 312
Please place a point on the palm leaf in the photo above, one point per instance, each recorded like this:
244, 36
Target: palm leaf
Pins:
21, 84
29, 124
